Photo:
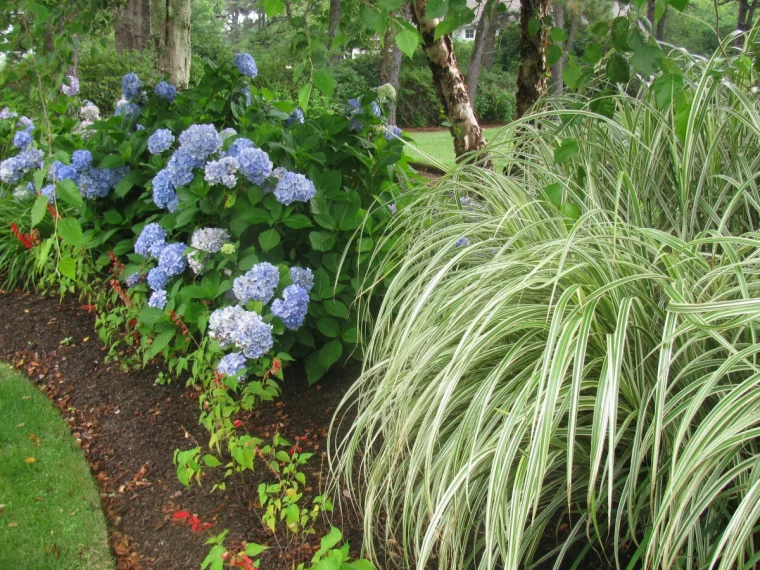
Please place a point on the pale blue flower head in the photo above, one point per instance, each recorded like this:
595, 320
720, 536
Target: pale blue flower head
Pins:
22, 139
257, 284
294, 187
295, 117
160, 141
209, 240
72, 88
222, 171
151, 241
254, 165
157, 279
157, 299
131, 86
246, 65
173, 259
166, 91
164, 195
200, 141
292, 308
231, 364
81, 159
180, 167
303, 277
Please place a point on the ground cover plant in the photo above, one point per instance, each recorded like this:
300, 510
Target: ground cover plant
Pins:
570, 341
50, 517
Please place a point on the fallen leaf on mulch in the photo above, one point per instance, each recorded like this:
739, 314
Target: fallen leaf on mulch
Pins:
29, 460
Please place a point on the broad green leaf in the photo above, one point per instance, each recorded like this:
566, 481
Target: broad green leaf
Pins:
253, 549
150, 315
668, 88
436, 9
297, 222
553, 54
373, 19
618, 69
40, 12
303, 96
390, 5
70, 231
572, 75
325, 82
69, 193
647, 60
211, 461
336, 308
39, 209
407, 41
534, 26
322, 241
565, 151
558, 35
328, 327
570, 210
68, 266
113, 217
273, 8
159, 343
592, 52
679, 5
269, 239
554, 193
330, 353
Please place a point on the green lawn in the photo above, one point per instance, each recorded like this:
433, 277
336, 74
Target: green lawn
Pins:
435, 146
50, 515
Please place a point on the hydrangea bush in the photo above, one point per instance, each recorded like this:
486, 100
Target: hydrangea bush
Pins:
229, 213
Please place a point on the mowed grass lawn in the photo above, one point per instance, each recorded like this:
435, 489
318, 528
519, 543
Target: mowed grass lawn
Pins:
436, 145
50, 515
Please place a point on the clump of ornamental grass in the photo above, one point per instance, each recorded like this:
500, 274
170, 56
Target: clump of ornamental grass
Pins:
572, 342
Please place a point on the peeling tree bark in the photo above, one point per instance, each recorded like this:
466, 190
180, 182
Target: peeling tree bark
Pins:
449, 83
532, 76
176, 60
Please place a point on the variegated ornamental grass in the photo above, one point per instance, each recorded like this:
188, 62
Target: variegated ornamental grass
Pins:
603, 371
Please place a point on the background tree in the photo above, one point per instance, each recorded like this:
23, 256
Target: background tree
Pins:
176, 54
532, 76
132, 25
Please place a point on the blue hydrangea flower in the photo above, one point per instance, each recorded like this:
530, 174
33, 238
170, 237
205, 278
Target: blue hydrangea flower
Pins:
81, 159
200, 141
354, 105
247, 95
160, 141
13, 168
72, 88
231, 364
132, 280
6, 114
166, 91
255, 165
245, 64
294, 187
172, 259
98, 182
209, 240
227, 133
257, 284
392, 132
355, 125
27, 123
157, 279
291, 309
164, 195
393, 208
130, 86
50, 192
222, 171
237, 146
60, 171
151, 241
127, 110
303, 277
462, 242
243, 329
376, 109
295, 117
180, 167
157, 299
22, 139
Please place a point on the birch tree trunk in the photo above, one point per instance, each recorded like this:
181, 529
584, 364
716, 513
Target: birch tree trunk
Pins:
557, 86
532, 77
332, 27
132, 26
176, 60
449, 83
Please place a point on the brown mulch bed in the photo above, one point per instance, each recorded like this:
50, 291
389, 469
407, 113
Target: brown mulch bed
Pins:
129, 428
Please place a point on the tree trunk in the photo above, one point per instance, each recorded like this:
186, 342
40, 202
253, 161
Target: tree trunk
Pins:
393, 79
386, 56
558, 13
531, 77
177, 57
741, 15
449, 83
485, 23
332, 27
651, 8
132, 26
659, 33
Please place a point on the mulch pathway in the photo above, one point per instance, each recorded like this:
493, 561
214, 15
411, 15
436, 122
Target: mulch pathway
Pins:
129, 428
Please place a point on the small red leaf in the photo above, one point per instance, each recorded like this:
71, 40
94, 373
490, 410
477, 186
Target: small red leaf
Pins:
181, 515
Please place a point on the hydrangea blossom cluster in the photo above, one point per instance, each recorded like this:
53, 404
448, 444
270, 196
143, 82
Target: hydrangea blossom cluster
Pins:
160, 141
72, 88
131, 87
132, 280
166, 91
6, 114
222, 171
172, 259
151, 241
392, 132
200, 141
303, 277
292, 308
89, 112
157, 299
257, 284
127, 109
92, 182
245, 64
60, 171
81, 160
164, 195
22, 139
13, 169
254, 164
210, 240
294, 187
295, 117
231, 363
234, 326
157, 279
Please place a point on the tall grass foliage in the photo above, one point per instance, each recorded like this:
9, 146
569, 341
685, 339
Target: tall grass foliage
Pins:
581, 372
